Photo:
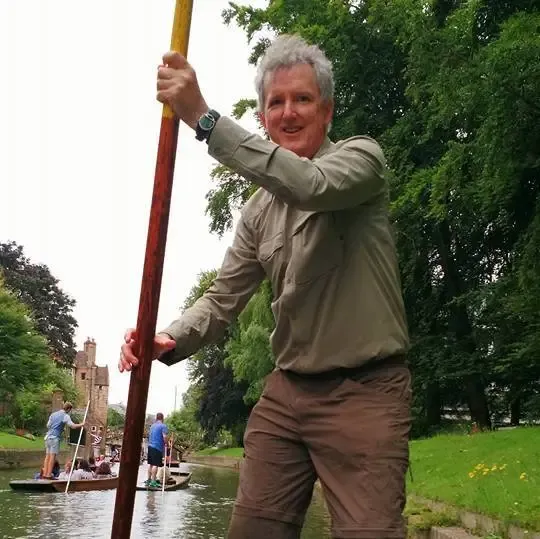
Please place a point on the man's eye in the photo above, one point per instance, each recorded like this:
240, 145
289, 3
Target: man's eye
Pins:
303, 98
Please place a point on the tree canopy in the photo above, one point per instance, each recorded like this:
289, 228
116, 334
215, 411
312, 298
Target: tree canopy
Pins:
27, 374
451, 91
220, 397
50, 308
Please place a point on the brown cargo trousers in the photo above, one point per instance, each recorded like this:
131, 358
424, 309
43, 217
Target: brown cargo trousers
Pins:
349, 428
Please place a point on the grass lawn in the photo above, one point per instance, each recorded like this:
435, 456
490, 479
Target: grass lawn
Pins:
496, 473
10, 441
228, 452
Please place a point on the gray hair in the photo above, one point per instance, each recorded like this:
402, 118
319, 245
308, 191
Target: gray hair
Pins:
290, 50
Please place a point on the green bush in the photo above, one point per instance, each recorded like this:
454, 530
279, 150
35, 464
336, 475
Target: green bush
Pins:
29, 412
7, 423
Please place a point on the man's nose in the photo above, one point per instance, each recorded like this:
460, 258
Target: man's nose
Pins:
290, 109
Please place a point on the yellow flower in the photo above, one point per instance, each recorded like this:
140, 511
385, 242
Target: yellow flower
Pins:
471, 474
502, 467
485, 472
494, 468
523, 476
479, 466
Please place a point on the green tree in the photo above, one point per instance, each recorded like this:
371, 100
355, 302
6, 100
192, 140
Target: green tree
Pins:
61, 379
248, 350
23, 352
50, 308
221, 403
29, 410
115, 420
451, 90
456, 154
28, 375
30, 405
183, 423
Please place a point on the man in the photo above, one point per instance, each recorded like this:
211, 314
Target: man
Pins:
96, 442
337, 406
157, 439
55, 425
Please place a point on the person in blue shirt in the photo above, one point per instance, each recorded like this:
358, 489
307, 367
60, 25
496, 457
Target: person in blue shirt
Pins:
157, 439
55, 425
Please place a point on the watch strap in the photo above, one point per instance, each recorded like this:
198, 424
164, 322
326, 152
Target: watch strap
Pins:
206, 124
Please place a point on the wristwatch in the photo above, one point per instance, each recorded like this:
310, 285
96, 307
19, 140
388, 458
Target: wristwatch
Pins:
206, 124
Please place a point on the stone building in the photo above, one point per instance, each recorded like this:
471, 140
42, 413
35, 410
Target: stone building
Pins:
92, 381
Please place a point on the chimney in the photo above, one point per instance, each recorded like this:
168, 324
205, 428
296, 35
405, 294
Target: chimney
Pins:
90, 349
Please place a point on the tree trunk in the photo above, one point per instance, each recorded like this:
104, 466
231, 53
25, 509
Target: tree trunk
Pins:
461, 327
515, 411
433, 404
477, 402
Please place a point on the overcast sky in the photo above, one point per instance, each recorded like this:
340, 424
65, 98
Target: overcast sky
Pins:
79, 126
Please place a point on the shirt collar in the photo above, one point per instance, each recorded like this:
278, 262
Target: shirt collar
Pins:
325, 146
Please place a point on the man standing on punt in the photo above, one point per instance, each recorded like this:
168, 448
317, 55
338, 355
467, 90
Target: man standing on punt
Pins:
337, 406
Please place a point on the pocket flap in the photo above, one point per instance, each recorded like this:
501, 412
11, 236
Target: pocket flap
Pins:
268, 247
301, 221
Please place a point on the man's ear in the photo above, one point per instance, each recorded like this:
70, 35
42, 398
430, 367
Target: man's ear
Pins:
262, 118
328, 111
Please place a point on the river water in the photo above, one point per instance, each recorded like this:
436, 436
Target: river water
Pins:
201, 511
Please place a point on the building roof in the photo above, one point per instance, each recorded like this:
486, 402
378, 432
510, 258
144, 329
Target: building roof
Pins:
102, 376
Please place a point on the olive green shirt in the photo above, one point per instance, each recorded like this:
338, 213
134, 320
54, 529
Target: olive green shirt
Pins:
319, 230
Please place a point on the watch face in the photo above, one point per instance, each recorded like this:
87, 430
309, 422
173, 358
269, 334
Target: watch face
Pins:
207, 122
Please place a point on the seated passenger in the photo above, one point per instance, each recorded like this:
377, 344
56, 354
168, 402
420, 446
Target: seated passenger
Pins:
103, 471
168, 476
83, 471
56, 470
64, 476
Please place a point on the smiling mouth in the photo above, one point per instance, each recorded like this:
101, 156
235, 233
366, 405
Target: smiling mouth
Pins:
291, 130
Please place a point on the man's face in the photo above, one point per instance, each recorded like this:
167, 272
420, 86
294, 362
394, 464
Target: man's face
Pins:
294, 115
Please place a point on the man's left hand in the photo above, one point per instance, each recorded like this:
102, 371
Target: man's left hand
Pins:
178, 87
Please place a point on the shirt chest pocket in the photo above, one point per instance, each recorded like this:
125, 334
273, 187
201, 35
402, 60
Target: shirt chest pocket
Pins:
270, 255
317, 247
312, 249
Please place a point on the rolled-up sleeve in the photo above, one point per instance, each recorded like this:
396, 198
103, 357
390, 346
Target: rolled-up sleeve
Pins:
206, 321
347, 177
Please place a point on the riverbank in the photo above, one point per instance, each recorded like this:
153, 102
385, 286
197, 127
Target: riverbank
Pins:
17, 458
21, 452
220, 461
493, 473
21, 443
496, 474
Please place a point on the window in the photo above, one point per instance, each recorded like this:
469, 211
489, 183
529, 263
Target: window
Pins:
83, 376
94, 428
100, 387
